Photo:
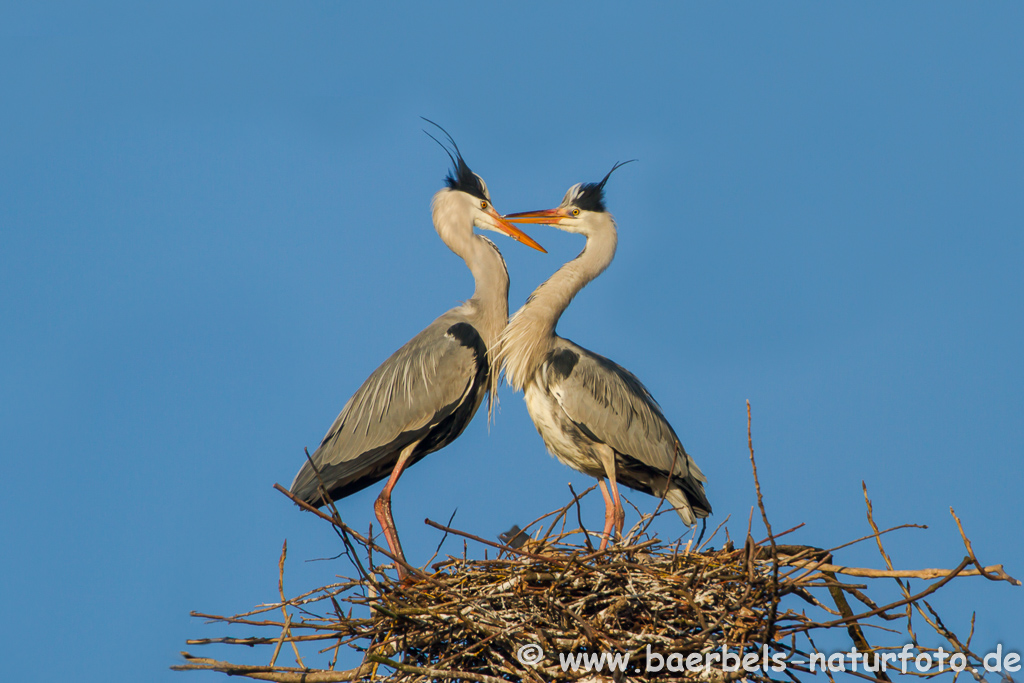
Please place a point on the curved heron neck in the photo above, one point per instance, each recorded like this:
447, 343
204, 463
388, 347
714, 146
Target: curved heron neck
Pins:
487, 309
531, 332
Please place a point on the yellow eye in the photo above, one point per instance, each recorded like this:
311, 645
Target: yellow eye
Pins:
483, 203
575, 212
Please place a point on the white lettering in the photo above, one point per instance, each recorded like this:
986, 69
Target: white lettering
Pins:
998, 656
650, 660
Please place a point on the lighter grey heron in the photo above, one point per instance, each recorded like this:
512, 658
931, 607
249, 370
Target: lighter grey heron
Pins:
594, 415
422, 397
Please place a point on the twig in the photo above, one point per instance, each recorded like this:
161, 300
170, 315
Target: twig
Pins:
764, 517
994, 572
352, 532
265, 673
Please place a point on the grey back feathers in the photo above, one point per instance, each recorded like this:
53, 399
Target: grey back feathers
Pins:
438, 377
611, 406
422, 397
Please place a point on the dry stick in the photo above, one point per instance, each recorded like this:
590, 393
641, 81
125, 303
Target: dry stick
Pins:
255, 640
555, 512
805, 595
899, 603
327, 500
355, 534
970, 636
438, 549
559, 517
748, 542
280, 641
588, 629
810, 568
264, 673
713, 533
620, 549
328, 591
829, 551
876, 535
561, 530
874, 527
285, 632
250, 622
764, 517
854, 628
869, 603
546, 558
995, 570
951, 637
579, 518
465, 651
906, 588
988, 573
998, 575
967, 648
438, 673
781, 534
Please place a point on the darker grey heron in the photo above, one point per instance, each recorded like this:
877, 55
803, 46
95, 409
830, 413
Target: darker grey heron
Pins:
422, 397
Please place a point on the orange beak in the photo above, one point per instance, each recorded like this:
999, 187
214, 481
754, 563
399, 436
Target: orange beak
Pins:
514, 232
545, 217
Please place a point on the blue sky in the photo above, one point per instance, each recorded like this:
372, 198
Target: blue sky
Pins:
214, 224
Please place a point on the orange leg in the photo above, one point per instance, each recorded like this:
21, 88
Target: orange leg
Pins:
609, 515
382, 508
620, 514
614, 515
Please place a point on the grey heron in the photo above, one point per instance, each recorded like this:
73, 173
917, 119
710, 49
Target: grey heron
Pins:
422, 397
593, 414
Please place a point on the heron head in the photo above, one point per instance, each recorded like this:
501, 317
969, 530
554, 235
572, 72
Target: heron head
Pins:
470, 191
582, 204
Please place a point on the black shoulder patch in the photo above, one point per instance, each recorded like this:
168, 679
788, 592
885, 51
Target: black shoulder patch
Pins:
563, 361
467, 335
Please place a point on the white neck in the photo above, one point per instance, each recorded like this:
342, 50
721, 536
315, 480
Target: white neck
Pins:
487, 310
530, 334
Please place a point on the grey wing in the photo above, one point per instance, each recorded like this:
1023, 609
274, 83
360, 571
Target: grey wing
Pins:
610, 405
430, 381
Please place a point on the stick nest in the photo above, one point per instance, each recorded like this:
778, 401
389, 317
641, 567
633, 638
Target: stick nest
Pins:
515, 616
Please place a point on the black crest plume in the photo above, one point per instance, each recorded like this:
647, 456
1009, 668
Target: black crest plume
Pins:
460, 177
590, 196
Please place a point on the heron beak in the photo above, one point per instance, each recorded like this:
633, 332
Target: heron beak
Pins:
515, 233
545, 217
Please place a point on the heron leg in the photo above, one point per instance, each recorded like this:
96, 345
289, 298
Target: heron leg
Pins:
614, 515
382, 508
620, 514
609, 515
